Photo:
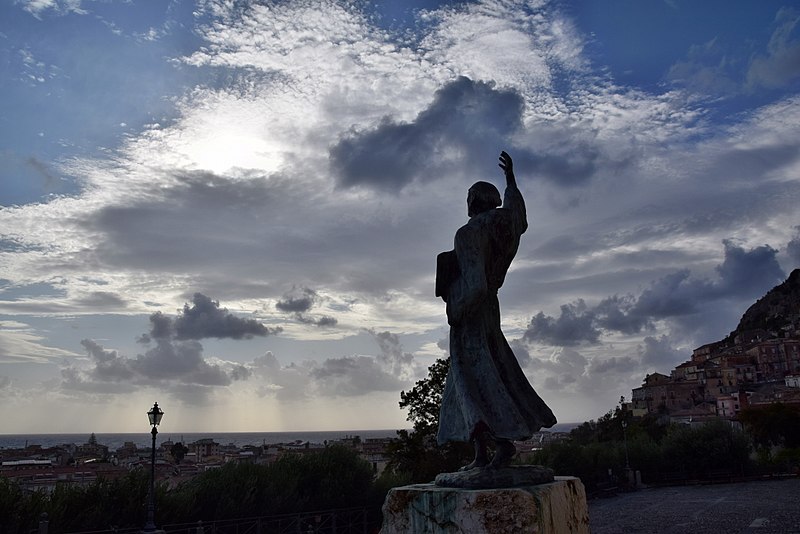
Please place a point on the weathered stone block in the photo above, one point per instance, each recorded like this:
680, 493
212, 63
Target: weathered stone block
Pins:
554, 508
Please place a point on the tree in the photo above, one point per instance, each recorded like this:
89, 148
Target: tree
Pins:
425, 398
773, 425
178, 451
92, 439
416, 454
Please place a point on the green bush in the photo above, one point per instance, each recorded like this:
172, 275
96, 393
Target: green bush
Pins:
711, 446
696, 451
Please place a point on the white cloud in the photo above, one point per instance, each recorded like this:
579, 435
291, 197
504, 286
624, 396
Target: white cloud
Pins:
21, 343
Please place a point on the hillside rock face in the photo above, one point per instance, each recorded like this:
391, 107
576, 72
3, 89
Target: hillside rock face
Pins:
776, 311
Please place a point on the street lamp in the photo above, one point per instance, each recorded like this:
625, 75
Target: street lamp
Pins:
625, 441
154, 415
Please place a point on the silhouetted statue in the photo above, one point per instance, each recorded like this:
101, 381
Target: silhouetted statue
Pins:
486, 395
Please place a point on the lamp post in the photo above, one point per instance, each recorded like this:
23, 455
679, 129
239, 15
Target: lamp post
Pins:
154, 415
625, 441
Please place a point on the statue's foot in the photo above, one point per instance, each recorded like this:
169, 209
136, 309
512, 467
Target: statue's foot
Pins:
504, 452
477, 462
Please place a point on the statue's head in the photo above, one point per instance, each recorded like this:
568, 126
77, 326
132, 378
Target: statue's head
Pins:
482, 196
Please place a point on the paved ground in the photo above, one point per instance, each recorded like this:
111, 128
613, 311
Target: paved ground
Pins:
765, 507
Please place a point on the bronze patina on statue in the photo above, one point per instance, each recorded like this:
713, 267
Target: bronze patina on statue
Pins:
487, 397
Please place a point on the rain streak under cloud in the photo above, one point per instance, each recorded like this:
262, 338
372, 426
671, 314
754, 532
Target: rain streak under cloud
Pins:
235, 209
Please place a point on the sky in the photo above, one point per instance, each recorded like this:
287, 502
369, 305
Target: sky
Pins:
234, 208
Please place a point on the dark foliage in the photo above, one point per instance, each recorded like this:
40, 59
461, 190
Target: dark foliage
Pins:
777, 424
333, 478
415, 456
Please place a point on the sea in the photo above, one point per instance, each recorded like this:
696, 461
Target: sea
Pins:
238, 439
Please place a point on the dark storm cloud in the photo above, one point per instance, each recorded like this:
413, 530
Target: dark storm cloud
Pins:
613, 313
205, 319
748, 273
572, 327
473, 117
298, 300
743, 276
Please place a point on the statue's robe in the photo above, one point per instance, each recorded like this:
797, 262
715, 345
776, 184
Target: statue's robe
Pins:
485, 388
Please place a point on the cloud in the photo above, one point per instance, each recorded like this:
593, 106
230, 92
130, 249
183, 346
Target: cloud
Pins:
62, 7
658, 352
22, 343
301, 300
573, 326
73, 380
521, 352
109, 366
564, 366
285, 383
205, 319
465, 116
743, 276
781, 64
793, 248
181, 360
174, 356
167, 362
708, 69
715, 69
345, 376
392, 353
298, 300
354, 376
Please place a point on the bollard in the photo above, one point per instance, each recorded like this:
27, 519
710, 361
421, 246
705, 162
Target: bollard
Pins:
43, 523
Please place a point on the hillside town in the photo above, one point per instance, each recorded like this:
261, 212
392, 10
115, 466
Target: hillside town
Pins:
756, 365
720, 381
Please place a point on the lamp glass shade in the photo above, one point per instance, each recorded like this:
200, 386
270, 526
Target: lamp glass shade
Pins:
155, 414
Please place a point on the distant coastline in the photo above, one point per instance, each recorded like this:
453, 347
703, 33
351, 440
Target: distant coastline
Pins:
240, 439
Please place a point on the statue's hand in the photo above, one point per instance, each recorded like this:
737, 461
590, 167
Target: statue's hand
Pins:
506, 164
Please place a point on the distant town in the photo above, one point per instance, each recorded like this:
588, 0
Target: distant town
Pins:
42, 468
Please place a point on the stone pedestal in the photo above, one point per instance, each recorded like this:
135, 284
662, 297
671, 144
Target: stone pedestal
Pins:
556, 507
